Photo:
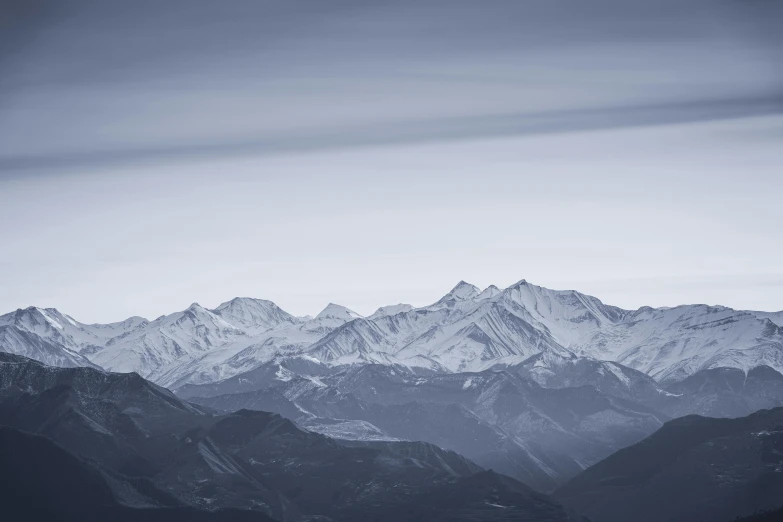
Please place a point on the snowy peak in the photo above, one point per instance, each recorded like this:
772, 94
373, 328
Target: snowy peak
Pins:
557, 306
462, 292
170, 339
194, 317
53, 317
51, 325
335, 311
18, 341
775, 317
466, 330
199, 315
331, 317
35, 319
488, 293
128, 324
253, 314
196, 309
386, 311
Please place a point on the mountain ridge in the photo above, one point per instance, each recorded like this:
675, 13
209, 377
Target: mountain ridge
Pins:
466, 330
147, 448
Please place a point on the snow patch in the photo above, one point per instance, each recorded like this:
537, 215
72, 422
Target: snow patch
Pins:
217, 463
618, 372
283, 374
49, 319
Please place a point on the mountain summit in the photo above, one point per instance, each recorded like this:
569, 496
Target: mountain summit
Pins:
336, 311
462, 292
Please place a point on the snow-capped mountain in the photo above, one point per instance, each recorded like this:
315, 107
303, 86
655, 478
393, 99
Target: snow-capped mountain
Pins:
775, 317
489, 292
20, 342
178, 336
335, 315
254, 315
466, 330
462, 292
49, 336
50, 324
195, 345
390, 310
670, 344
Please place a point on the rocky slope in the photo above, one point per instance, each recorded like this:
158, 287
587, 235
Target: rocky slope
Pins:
693, 468
498, 419
157, 451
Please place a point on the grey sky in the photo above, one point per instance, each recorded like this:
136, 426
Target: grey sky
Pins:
157, 153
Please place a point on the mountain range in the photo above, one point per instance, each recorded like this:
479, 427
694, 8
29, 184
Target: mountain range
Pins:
84, 444
477, 407
534, 383
467, 330
498, 419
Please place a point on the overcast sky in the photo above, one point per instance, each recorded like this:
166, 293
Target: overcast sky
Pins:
153, 154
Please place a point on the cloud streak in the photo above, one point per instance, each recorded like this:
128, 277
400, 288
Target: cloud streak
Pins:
103, 83
410, 132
